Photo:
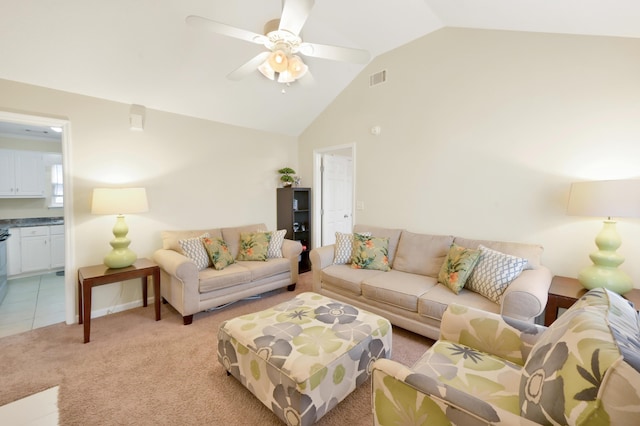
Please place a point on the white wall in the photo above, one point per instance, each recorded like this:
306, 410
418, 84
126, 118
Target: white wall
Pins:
483, 132
198, 174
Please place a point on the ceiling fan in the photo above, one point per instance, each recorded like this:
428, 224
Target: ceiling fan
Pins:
282, 40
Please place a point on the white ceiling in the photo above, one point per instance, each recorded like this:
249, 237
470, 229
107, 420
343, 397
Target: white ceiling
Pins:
142, 52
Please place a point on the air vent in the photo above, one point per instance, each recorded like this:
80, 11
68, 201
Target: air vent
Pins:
377, 78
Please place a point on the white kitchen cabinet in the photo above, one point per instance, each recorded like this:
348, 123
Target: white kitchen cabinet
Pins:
14, 262
21, 174
57, 246
35, 251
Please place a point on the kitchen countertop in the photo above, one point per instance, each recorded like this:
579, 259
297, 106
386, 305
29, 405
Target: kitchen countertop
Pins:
32, 221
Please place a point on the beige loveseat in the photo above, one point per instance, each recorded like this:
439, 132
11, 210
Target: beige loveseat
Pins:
410, 296
191, 291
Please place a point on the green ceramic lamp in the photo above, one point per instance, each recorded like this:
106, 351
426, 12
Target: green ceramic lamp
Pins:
611, 198
119, 201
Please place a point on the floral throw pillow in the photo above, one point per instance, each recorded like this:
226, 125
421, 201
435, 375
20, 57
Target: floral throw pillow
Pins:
494, 272
370, 252
457, 267
218, 252
254, 245
194, 250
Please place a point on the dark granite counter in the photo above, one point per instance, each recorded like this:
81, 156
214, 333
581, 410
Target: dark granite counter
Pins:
32, 221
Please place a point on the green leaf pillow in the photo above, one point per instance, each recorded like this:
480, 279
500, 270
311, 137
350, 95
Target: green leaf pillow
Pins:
218, 252
370, 252
457, 267
254, 245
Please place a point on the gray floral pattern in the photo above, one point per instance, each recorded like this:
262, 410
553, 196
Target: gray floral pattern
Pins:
304, 356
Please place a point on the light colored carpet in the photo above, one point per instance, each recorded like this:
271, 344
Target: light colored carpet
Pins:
139, 371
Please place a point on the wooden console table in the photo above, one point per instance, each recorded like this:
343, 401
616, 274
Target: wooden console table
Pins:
565, 291
93, 276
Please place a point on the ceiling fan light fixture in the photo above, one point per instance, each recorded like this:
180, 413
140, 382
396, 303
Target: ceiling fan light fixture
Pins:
297, 68
286, 77
278, 60
267, 71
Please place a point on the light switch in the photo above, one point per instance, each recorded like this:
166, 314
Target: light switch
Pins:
359, 205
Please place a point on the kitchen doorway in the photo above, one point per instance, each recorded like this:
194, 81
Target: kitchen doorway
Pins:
45, 280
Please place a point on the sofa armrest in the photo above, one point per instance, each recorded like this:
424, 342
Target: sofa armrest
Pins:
291, 249
321, 257
491, 333
176, 264
399, 394
526, 297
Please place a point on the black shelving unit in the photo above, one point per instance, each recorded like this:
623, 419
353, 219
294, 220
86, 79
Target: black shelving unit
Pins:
294, 215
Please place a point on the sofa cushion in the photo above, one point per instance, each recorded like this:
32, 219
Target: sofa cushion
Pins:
195, 250
213, 279
486, 376
494, 272
532, 252
397, 288
582, 369
170, 238
433, 303
253, 245
343, 248
457, 267
266, 269
232, 235
370, 253
421, 253
218, 251
392, 234
343, 278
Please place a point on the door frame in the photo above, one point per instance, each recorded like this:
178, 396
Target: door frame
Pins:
317, 185
69, 257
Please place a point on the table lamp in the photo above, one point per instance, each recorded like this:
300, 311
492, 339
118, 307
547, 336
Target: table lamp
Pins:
611, 198
119, 201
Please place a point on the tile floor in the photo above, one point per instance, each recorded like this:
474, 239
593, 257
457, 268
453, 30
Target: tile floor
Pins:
32, 302
40, 409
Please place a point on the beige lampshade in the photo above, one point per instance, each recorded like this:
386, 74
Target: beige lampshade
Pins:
607, 198
119, 201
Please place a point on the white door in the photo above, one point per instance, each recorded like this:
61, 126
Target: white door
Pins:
337, 196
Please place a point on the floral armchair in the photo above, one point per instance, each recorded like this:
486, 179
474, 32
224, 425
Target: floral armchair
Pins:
583, 370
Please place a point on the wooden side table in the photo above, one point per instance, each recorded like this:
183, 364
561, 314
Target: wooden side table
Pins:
93, 276
565, 291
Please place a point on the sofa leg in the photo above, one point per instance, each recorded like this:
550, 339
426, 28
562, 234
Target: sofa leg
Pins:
291, 287
188, 319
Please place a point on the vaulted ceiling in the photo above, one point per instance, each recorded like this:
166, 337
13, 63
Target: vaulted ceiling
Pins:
143, 52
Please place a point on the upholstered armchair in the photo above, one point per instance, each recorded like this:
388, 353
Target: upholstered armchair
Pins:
583, 370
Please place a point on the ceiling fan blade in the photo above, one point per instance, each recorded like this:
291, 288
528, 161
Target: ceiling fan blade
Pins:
224, 29
295, 14
249, 67
336, 53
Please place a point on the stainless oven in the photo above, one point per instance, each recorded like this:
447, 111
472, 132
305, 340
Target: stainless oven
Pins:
4, 235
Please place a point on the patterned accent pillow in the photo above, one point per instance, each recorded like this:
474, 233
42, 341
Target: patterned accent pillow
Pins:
194, 250
218, 251
494, 272
458, 266
274, 251
370, 253
254, 245
343, 249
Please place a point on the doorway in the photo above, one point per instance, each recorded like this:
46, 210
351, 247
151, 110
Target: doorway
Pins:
334, 171
64, 125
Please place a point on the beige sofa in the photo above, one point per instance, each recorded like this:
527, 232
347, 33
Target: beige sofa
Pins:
191, 291
410, 296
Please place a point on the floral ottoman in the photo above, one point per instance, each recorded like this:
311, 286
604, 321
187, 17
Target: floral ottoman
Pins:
302, 357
